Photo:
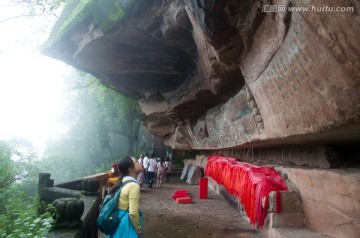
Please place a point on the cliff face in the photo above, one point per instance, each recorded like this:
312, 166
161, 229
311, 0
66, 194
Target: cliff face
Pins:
224, 73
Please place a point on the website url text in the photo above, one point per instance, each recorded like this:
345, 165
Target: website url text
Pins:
284, 8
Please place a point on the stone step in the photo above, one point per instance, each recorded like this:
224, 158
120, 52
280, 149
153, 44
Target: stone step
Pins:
290, 201
292, 233
274, 220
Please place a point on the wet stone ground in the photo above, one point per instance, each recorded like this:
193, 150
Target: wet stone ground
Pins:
212, 217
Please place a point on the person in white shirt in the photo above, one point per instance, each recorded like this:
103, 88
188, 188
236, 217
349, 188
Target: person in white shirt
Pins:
151, 171
141, 176
146, 165
160, 168
141, 160
167, 169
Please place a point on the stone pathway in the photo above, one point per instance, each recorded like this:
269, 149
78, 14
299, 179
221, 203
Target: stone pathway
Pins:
212, 217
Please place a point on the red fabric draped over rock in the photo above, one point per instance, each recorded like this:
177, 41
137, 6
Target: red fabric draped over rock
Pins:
249, 183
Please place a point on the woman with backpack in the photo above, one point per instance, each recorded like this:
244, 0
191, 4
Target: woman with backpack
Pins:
160, 172
129, 200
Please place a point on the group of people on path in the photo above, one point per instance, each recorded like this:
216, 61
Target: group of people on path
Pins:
139, 172
154, 169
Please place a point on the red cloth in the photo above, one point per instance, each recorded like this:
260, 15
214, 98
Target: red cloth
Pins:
180, 193
248, 182
184, 200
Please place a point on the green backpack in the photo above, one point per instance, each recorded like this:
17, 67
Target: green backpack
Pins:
108, 220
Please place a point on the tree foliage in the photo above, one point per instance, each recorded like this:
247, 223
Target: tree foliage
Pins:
7, 167
36, 7
33, 8
103, 127
18, 203
117, 115
114, 114
17, 158
19, 218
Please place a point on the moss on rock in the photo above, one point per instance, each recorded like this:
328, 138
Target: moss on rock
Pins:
104, 14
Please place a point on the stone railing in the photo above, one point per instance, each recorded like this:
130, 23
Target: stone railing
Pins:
87, 191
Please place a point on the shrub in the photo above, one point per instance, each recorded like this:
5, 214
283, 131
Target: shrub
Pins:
19, 218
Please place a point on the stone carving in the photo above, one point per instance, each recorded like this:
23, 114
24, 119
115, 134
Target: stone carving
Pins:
48, 192
90, 186
199, 129
68, 212
255, 110
66, 202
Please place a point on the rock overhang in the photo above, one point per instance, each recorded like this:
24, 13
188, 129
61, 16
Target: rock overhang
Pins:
222, 74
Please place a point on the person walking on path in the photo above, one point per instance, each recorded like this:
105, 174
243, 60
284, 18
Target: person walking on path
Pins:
141, 176
160, 169
129, 200
167, 169
151, 171
146, 165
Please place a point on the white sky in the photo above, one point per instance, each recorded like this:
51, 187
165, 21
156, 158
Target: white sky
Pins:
31, 85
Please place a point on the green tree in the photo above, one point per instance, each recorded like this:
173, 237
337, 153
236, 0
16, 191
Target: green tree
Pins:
118, 115
18, 210
103, 126
17, 157
110, 114
7, 167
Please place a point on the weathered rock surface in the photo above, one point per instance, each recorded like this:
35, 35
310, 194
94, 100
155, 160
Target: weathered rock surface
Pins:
220, 74
322, 157
331, 199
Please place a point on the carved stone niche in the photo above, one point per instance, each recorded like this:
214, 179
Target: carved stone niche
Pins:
199, 128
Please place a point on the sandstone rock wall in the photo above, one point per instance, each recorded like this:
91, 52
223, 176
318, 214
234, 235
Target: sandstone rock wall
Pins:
331, 199
222, 74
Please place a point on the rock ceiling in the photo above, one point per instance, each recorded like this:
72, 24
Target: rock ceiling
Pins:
213, 74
